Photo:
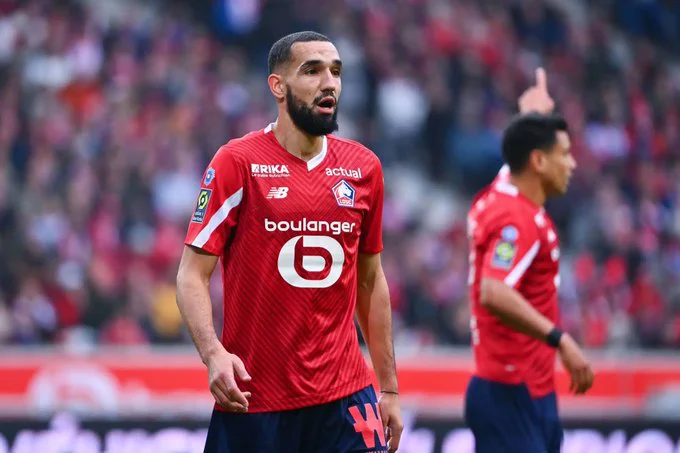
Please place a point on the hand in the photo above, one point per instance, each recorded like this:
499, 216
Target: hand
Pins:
222, 369
576, 364
536, 98
391, 419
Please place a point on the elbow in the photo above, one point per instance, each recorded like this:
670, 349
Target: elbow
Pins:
367, 282
180, 285
188, 277
194, 270
364, 286
181, 275
487, 294
185, 277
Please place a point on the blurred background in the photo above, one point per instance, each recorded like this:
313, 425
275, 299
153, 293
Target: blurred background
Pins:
111, 109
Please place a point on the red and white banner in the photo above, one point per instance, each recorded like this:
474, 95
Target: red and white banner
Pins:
157, 382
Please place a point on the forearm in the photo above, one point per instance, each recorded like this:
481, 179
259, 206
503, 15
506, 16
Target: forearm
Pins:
375, 319
513, 310
193, 299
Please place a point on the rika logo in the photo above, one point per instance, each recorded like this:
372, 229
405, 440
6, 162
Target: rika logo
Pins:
346, 172
277, 192
269, 171
344, 194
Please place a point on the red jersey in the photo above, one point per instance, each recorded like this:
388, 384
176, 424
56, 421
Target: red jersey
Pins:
289, 232
513, 240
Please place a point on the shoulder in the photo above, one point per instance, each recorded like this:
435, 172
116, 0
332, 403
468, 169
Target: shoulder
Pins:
353, 154
355, 149
499, 210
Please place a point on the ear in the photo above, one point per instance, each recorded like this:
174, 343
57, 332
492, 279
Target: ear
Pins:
277, 86
537, 160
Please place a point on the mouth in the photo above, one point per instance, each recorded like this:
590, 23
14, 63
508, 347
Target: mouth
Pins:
326, 105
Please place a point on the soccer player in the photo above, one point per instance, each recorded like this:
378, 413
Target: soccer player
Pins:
295, 215
510, 404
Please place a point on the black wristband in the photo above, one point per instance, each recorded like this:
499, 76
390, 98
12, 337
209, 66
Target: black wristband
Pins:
554, 337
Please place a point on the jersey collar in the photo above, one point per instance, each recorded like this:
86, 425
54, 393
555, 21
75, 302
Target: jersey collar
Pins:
316, 160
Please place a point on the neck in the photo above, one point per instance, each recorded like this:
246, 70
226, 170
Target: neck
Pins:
296, 142
530, 187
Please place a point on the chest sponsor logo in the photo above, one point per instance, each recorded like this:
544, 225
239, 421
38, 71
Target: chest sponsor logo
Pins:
335, 228
344, 194
269, 171
277, 193
354, 173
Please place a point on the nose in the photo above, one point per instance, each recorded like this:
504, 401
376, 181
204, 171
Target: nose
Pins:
572, 163
329, 82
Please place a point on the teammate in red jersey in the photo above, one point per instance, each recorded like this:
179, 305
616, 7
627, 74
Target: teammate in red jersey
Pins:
514, 278
295, 214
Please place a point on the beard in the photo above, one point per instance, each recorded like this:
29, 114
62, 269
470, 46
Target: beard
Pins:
307, 120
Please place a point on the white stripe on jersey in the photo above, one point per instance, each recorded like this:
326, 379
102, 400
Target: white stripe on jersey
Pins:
316, 160
216, 220
516, 274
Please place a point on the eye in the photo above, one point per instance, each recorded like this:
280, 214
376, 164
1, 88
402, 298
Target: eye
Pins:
311, 71
336, 72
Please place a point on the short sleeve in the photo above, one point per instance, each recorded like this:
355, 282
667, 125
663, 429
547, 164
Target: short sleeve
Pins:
371, 227
217, 206
513, 245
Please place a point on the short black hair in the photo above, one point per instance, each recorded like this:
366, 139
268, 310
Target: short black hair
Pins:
527, 132
280, 51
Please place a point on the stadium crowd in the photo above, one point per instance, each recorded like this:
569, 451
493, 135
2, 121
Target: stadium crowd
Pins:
109, 112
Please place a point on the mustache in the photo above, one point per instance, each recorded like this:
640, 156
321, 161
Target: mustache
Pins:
325, 95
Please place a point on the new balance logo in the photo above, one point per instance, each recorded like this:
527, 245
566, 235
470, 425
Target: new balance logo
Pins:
278, 192
269, 171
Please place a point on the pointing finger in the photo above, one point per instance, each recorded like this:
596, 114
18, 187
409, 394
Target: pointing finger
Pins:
541, 79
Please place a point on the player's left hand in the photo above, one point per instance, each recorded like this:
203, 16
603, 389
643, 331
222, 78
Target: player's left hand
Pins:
391, 419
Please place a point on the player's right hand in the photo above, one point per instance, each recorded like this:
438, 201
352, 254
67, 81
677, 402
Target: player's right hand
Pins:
536, 98
576, 364
223, 368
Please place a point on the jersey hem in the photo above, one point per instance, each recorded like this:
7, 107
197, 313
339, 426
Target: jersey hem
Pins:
287, 404
204, 248
545, 391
